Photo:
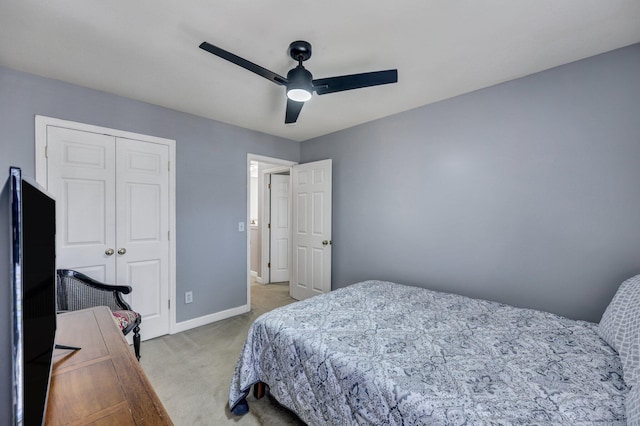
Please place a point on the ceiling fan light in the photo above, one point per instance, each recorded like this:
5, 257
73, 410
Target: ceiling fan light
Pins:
299, 85
298, 94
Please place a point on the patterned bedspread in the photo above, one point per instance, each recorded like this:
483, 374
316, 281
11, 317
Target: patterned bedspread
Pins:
379, 353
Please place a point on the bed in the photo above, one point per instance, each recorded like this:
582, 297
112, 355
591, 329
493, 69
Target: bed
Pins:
380, 353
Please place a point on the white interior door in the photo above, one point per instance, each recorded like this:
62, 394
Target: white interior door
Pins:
81, 170
142, 233
113, 215
280, 236
311, 185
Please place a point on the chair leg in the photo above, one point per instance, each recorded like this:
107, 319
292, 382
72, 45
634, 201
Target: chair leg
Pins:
136, 342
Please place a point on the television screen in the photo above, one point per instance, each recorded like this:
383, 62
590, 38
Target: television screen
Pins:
34, 264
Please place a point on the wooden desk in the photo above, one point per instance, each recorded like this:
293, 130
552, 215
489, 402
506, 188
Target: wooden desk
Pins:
103, 383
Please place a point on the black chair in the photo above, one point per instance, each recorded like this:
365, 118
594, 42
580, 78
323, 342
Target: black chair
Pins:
77, 291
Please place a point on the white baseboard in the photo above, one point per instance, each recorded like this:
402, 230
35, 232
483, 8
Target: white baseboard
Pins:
254, 274
259, 280
208, 319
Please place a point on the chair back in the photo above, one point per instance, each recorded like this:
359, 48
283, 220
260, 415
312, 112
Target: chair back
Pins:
73, 293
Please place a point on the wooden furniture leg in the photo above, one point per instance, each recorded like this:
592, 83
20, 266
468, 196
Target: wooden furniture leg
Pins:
259, 390
136, 341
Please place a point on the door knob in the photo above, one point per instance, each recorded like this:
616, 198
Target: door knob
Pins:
122, 251
109, 251
326, 242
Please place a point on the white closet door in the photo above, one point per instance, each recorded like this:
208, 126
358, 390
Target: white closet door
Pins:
113, 215
81, 170
143, 229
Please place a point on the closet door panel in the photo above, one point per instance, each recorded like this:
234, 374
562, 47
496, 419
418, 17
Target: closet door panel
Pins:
143, 239
145, 276
80, 175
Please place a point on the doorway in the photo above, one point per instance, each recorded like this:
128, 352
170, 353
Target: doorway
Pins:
309, 189
259, 170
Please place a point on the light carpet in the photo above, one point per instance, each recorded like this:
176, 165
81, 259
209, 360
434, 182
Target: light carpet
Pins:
191, 371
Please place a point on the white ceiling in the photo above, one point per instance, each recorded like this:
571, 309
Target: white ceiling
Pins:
148, 50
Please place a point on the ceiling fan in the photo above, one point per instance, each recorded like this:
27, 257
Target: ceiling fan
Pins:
300, 83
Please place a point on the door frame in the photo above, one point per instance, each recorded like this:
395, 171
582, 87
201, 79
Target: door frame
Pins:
41, 124
277, 163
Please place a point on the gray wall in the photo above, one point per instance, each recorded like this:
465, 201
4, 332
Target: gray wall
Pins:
527, 192
211, 186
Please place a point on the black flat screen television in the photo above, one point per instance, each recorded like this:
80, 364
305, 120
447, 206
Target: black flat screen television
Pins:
33, 252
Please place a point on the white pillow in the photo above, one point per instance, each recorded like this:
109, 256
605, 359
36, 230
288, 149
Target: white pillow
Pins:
620, 328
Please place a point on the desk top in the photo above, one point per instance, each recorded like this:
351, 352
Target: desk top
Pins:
103, 383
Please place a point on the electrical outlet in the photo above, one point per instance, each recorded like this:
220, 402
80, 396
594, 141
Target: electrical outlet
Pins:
188, 297
240, 226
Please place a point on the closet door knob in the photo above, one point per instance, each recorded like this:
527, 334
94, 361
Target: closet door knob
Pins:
109, 251
122, 251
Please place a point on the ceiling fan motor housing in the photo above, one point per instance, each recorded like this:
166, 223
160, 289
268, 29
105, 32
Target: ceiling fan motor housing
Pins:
300, 75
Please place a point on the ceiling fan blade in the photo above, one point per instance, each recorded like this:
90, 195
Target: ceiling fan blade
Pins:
269, 75
293, 111
354, 81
